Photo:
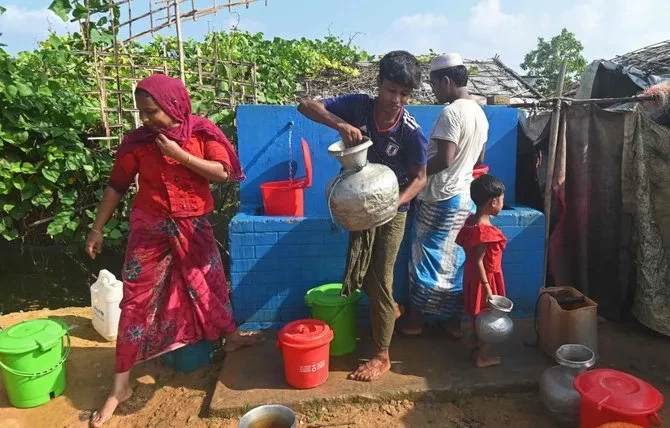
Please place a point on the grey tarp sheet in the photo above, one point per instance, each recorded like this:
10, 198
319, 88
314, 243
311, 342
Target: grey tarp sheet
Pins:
647, 195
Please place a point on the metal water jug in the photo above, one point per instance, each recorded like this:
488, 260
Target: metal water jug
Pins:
557, 391
363, 195
493, 325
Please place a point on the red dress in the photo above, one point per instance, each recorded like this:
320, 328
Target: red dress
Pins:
175, 290
167, 188
469, 238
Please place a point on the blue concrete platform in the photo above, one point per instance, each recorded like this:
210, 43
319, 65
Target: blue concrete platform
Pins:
275, 260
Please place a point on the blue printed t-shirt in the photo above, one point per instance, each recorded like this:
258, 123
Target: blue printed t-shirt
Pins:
399, 147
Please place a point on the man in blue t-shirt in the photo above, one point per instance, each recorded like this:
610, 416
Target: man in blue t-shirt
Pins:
400, 144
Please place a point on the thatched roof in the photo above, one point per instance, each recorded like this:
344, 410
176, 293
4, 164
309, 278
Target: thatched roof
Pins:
487, 78
654, 59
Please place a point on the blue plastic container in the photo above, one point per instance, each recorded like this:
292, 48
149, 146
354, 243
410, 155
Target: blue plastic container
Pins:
190, 357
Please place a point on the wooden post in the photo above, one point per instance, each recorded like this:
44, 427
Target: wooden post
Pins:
119, 97
130, 21
253, 82
551, 160
217, 82
231, 88
87, 27
199, 68
180, 42
99, 77
136, 114
165, 64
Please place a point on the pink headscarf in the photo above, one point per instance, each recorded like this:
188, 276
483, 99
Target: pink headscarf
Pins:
172, 97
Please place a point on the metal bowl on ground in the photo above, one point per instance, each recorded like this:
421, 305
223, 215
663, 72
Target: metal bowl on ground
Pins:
269, 416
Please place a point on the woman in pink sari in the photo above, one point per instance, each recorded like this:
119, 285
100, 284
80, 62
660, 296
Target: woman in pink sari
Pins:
174, 287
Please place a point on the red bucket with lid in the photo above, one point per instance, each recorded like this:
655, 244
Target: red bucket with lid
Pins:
305, 345
613, 396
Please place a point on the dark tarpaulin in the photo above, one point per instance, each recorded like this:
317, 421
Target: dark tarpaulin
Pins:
590, 238
610, 229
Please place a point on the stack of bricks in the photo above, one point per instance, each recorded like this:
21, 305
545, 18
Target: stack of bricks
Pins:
275, 260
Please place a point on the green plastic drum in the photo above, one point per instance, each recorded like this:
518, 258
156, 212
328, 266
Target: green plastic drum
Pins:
326, 304
32, 358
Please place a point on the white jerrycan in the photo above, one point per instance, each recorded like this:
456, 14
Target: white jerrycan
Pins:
106, 294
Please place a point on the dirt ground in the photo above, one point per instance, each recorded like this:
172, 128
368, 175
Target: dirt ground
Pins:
163, 398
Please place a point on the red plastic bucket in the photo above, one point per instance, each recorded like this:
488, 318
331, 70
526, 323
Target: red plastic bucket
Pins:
286, 197
305, 345
613, 396
283, 198
479, 170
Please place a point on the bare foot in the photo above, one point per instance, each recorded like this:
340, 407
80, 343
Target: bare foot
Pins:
373, 369
484, 358
486, 361
238, 340
399, 310
453, 328
413, 325
105, 413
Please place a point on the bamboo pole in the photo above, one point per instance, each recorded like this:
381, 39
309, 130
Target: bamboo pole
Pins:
99, 74
217, 83
551, 160
530, 88
180, 42
119, 97
576, 101
199, 67
151, 17
231, 88
130, 20
87, 27
254, 83
165, 65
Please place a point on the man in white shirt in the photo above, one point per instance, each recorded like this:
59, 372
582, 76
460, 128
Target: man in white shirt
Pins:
456, 145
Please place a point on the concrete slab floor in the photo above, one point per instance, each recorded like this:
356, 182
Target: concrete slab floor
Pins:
430, 367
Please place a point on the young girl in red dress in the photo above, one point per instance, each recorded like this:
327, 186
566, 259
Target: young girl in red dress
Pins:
483, 244
175, 290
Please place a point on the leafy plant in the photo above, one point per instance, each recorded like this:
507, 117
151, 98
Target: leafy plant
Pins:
47, 169
52, 176
545, 61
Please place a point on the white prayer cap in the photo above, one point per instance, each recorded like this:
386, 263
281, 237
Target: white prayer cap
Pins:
445, 61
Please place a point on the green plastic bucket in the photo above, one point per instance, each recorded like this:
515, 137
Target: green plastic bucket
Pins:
326, 304
32, 358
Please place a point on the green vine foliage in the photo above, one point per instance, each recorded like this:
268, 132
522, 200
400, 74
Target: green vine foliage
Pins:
52, 176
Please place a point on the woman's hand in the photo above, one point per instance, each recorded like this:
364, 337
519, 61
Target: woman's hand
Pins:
94, 242
171, 148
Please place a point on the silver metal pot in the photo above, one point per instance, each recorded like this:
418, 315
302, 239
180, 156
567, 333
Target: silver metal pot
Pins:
557, 392
363, 195
493, 325
274, 415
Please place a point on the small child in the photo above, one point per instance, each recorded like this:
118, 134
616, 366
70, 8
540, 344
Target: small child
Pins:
483, 244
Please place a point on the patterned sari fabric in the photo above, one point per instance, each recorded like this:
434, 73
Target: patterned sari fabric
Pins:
174, 288
436, 261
